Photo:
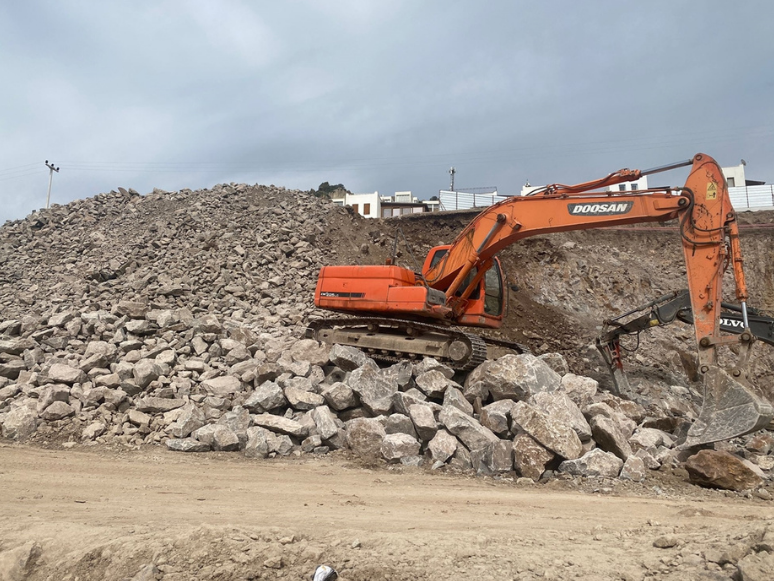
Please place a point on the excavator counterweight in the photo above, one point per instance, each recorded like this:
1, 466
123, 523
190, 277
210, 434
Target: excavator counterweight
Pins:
403, 313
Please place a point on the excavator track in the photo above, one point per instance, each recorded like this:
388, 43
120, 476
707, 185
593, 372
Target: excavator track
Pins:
395, 340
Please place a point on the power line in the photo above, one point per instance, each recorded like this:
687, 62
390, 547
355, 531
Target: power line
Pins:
18, 168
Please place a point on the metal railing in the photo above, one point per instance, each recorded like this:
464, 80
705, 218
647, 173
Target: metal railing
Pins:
467, 200
742, 198
752, 197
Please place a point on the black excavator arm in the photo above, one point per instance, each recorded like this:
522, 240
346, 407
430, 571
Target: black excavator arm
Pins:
662, 311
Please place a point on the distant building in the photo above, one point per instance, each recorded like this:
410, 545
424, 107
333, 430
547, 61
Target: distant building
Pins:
367, 205
640, 184
432, 205
745, 193
734, 175
736, 178
376, 206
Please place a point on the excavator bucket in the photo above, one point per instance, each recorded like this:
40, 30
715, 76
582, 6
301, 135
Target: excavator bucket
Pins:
730, 409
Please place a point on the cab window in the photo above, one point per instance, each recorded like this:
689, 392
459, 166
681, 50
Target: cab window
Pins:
493, 297
468, 279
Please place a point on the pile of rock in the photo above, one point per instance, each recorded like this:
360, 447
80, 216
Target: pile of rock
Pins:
247, 253
142, 375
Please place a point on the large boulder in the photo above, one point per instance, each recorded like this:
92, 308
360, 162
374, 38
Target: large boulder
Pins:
432, 364
496, 416
433, 383
258, 442
325, 422
580, 389
20, 423
62, 373
281, 425
648, 438
403, 400
494, 458
58, 410
596, 463
364, 436
52, 393
222, 386
397, 446
424, 421
158, 405
633, 469
218, 437
16, 346
454, 397
13, 368
191, 418
562, 410
609, 437
347, 358
267, 396
529, 457
314, 352
756, 567
558, 438
401, 373
399, 424
374, 390
714, 469
555, 361
513, 377
186, 445
145, 371
467, 429
340, 396
442, 446
302, 399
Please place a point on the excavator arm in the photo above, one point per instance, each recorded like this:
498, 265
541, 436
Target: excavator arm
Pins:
663, 311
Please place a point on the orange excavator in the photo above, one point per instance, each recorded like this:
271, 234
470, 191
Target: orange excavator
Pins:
396, 313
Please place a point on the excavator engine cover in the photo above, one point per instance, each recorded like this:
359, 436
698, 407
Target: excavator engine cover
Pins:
377, 289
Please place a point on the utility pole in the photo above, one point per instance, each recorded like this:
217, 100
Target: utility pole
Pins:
452, 171
51, 170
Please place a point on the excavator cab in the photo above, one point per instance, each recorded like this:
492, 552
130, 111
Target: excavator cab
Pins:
486, 302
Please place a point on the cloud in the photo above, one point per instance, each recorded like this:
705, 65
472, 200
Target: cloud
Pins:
376, 95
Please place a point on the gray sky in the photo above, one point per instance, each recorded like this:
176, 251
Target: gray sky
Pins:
375, 95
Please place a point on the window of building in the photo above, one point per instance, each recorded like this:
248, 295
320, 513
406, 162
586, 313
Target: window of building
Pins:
355, 207
366, 209
731, 182
621, 187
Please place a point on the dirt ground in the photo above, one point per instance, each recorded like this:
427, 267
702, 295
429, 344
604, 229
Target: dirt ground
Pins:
96, 514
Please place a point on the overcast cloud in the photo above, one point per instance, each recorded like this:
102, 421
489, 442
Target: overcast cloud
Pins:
375, 95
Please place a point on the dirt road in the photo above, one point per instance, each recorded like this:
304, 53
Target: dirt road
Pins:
95, 514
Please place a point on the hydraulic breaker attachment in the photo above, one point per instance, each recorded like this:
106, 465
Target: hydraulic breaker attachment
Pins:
730, 409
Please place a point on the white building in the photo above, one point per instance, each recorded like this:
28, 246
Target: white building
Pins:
367, 205
734, 175
640, 184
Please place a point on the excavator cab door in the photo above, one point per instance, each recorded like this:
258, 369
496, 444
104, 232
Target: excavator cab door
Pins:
486, 304
493, 290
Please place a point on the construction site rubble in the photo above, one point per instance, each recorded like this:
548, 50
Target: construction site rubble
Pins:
174, 319
198, 385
